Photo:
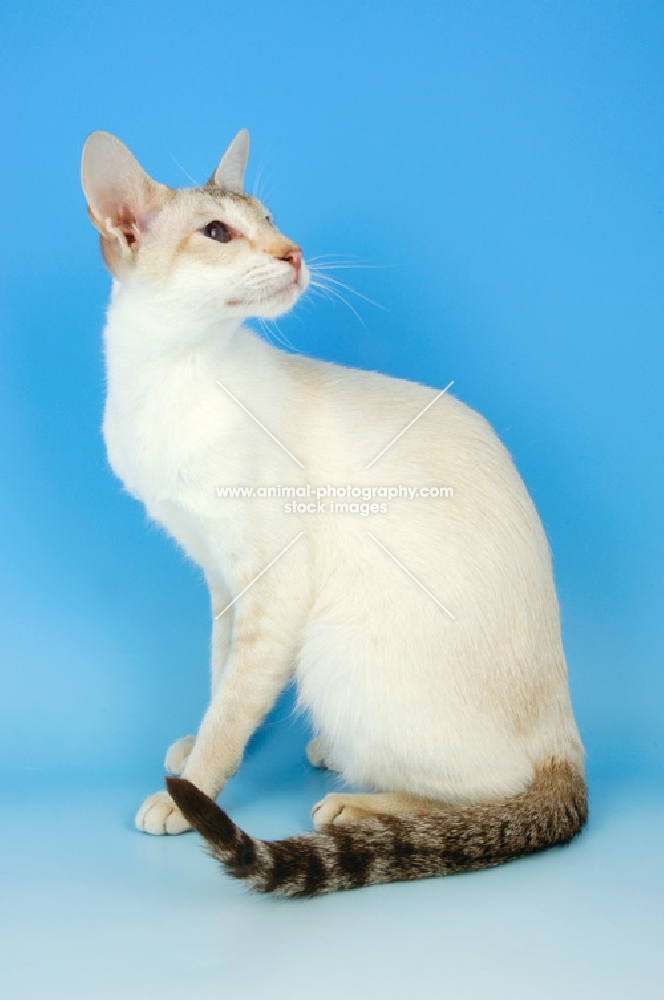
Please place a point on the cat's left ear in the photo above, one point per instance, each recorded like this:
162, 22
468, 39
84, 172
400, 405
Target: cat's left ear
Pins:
230, 172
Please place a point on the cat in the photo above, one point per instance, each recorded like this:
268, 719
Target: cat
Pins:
425, 643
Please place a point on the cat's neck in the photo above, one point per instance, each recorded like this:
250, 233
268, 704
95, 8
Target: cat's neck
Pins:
158, 353
145, 332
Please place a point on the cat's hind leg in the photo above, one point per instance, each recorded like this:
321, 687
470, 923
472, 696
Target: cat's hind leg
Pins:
317, 753
341, 809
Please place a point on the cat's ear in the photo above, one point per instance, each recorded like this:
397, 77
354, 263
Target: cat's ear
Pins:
121, 197
230, 172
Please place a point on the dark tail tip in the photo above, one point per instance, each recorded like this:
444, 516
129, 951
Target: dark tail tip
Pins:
202, 812
233, 847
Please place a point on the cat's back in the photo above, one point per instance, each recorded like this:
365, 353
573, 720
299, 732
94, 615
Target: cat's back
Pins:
378, 426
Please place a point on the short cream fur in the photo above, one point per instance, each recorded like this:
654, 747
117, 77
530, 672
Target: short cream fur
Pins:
407, 701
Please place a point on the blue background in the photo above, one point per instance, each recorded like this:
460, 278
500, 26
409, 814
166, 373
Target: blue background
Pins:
503, 164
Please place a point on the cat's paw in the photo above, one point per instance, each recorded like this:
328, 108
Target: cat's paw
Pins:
159, 815
177, 755
316, 752
337, 809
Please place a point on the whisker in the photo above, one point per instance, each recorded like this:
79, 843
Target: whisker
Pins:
278, 336
347, 267
318, 256
267, 186
284, 339
185, 172
263, 331
332, 291
337, 258
348, 288
272, 332
264, 175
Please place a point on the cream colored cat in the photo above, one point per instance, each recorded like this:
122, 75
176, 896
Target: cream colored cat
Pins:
424, 641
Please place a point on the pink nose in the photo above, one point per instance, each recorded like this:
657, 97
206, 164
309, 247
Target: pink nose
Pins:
294, 257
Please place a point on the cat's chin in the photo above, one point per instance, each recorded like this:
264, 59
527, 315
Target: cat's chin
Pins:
276, 305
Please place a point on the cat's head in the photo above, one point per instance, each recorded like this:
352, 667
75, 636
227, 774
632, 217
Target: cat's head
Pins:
212, 247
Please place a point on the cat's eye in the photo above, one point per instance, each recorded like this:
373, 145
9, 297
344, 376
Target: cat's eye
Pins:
269, 218
218, 231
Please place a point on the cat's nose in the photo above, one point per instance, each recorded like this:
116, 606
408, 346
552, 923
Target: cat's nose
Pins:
294, 257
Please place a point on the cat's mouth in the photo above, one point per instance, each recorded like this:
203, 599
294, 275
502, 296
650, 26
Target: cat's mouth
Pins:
284, 294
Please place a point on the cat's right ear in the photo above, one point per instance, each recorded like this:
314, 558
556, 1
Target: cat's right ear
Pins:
121, 197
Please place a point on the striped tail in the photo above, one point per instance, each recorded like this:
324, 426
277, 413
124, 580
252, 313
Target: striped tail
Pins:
390, 849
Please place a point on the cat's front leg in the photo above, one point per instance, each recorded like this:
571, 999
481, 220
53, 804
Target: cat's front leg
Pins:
222, 632
258, 668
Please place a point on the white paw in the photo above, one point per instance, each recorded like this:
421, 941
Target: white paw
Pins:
337, 809
177, 755
159, 815
316, 752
